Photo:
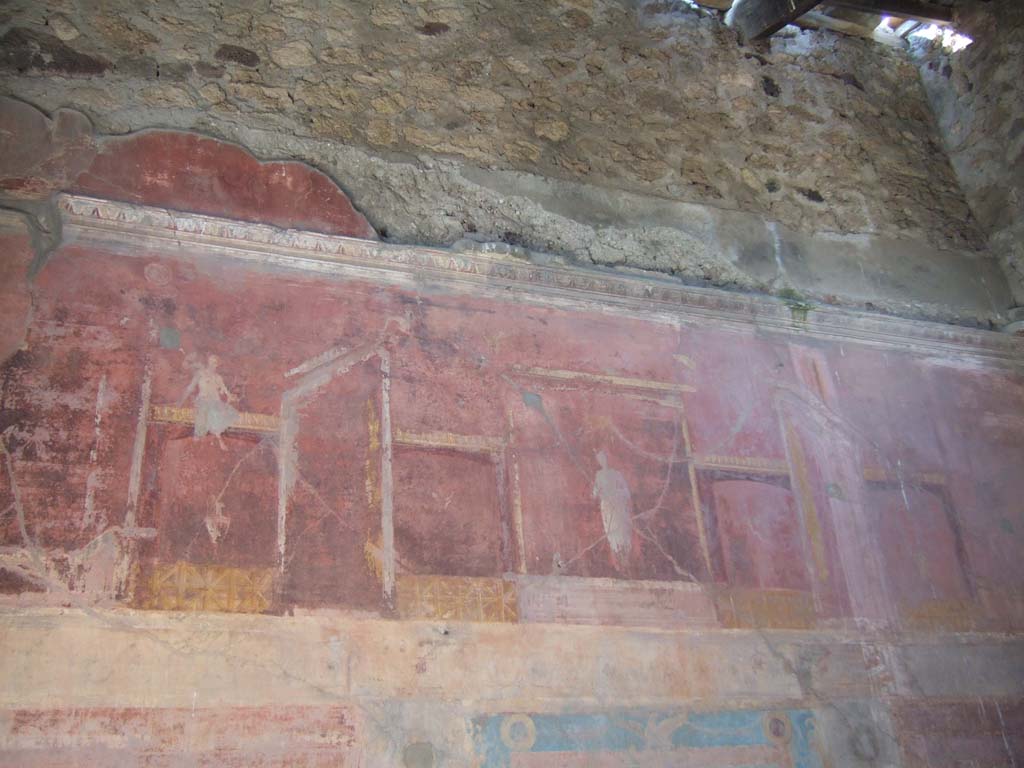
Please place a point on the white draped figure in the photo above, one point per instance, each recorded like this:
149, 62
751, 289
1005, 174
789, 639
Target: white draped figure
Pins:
214, 412
611, 488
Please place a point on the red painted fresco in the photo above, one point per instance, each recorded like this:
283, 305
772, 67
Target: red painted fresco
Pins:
755, 520
316, 443
185, 171
333, 539
198, 433
196, 483
456, 524
40, 155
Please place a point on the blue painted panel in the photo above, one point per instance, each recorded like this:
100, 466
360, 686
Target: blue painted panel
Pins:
786, 736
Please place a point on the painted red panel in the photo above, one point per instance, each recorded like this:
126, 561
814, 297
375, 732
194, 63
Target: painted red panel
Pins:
68, 394
985, 444
761, 538
608, 470
744, 423
233, 737
333, 549
214, 500
448, 513
195, 173
41, 155
919, 546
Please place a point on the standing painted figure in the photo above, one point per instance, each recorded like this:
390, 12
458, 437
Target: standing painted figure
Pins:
214, 412
611, 488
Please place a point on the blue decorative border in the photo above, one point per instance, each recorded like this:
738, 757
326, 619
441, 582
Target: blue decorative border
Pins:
634, 732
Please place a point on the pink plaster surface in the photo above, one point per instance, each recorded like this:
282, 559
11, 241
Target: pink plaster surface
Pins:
230, 737
956, 733
707, 757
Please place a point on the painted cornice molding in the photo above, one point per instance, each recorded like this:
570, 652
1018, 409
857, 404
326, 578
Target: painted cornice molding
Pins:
146, 230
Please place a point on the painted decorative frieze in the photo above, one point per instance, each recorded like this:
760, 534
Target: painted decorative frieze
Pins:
650, 739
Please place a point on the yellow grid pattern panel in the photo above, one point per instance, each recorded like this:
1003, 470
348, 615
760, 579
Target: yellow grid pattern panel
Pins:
187, 587
456, 598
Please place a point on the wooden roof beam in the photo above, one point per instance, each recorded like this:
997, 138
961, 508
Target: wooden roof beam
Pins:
904, 9
816, 20
755, 19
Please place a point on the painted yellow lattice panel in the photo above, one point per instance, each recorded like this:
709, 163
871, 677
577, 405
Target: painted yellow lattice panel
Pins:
187, 587
455, 598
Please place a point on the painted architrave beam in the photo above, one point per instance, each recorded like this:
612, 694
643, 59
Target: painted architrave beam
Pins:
904, 9
755, 19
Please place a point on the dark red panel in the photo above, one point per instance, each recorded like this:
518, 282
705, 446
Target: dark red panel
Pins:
189, 172
448, 512
334, 551
760, 535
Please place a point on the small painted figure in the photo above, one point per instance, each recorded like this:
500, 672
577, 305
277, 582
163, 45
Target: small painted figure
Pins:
214, 412
611, 488
217, 523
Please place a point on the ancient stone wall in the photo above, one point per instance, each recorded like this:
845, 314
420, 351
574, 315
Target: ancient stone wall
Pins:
978, 96
609, 133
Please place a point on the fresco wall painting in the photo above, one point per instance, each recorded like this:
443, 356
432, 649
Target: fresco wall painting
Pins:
190, 432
